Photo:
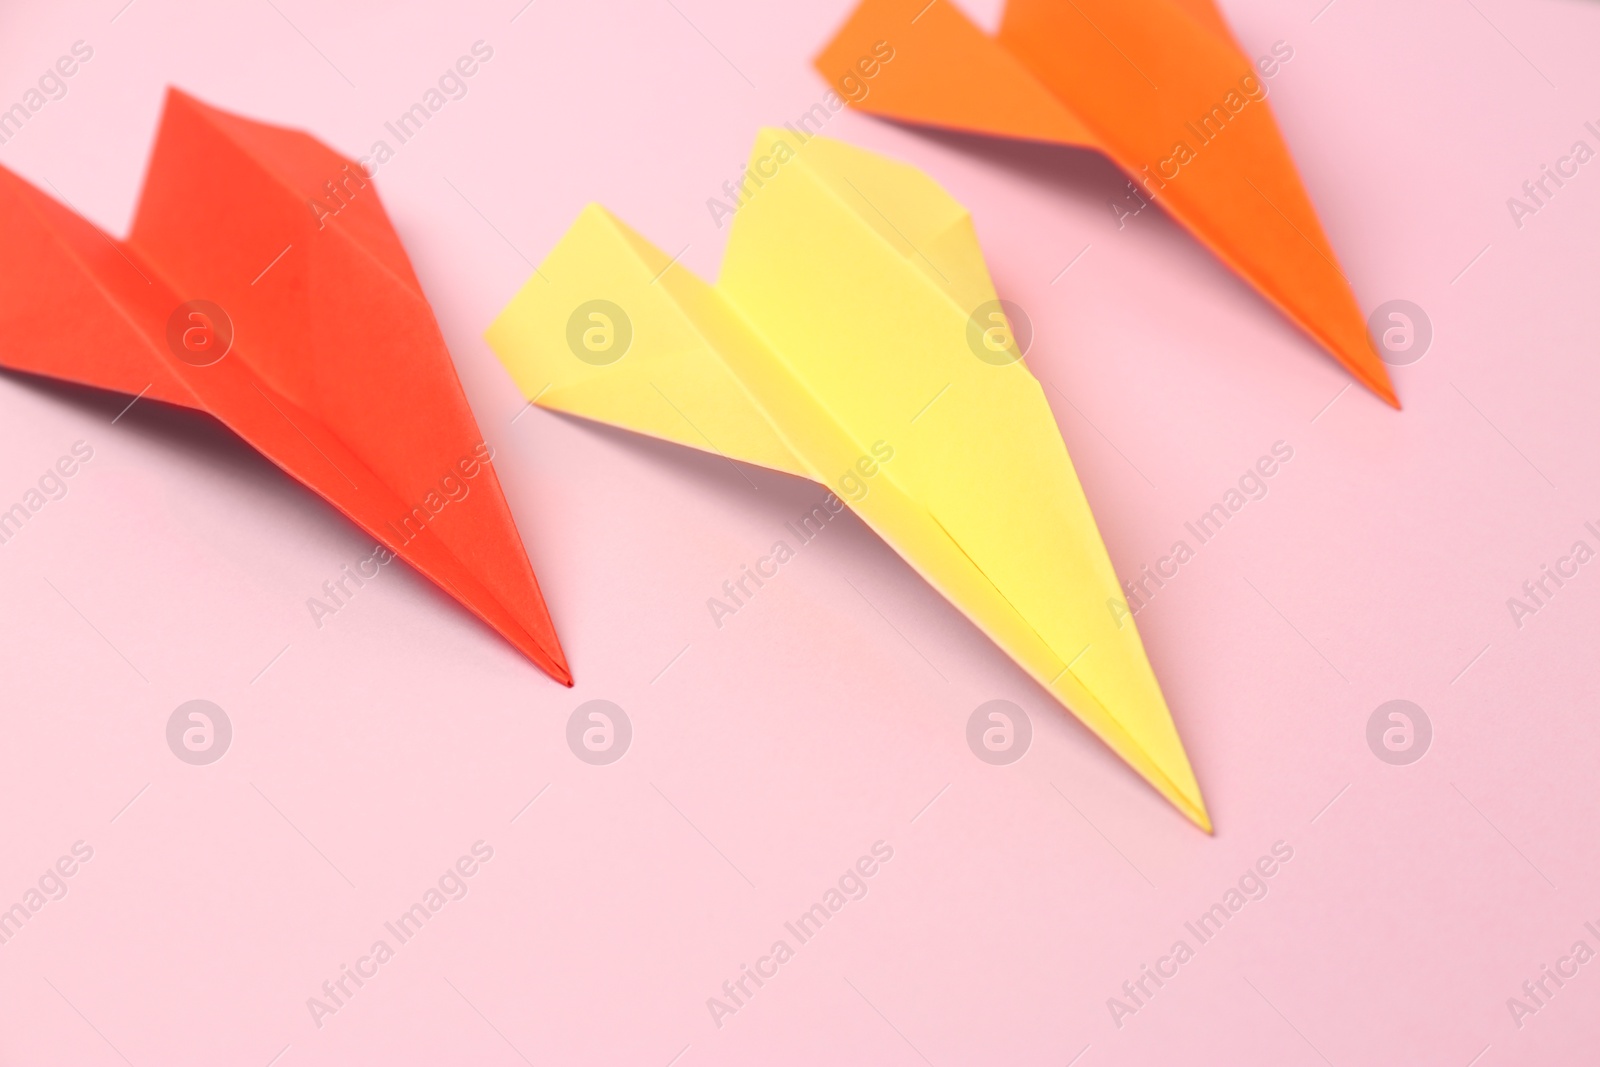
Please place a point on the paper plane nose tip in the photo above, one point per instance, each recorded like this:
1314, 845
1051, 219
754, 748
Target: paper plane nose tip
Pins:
1194, 809
551, 661
1363, 361
1381, 384
1187, 799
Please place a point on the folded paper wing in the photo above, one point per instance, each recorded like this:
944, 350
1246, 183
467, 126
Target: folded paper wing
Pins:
841, 333
337, 371
1160, 87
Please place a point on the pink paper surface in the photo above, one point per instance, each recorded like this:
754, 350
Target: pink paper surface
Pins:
830, 713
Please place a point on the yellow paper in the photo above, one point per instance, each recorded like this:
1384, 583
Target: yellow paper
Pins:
854, 338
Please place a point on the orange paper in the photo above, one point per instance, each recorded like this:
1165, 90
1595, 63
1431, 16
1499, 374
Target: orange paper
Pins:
1160, 87
264, 284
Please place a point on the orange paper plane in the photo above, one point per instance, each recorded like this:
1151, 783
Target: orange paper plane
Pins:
263, 283
1161, 88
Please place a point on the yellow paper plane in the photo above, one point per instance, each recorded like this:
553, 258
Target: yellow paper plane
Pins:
854, 338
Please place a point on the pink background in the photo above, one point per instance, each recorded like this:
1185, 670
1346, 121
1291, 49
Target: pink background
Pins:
770, 754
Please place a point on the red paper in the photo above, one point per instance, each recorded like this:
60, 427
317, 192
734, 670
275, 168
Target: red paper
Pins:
264, 284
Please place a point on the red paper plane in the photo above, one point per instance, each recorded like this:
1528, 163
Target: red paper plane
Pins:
264, 284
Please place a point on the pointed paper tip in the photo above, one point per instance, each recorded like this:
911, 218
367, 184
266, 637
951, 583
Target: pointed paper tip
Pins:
554, 657
1186, 797
1369, 369
1192, 806
553, 664
1383, 388
552, 661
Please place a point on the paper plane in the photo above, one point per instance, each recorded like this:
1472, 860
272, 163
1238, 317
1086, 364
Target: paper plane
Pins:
854, 338
263, 284
1158, 86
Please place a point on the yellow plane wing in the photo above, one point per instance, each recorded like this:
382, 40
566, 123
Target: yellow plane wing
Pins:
854, 338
